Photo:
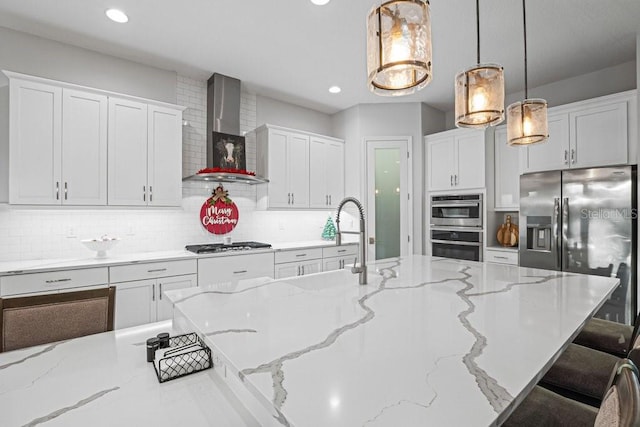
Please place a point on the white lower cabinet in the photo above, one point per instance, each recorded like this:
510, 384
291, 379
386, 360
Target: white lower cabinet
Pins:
336, 257
235, 267
297, 262
502, 256
141, 301
140, 288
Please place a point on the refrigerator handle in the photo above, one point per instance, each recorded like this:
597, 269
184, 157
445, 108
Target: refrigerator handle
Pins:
565, 230
556, 231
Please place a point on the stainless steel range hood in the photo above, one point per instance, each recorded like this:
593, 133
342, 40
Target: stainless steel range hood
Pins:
223, 116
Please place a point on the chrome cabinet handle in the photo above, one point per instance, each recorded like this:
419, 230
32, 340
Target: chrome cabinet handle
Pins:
299, 255
65, 191
292, 198
451, 179
298, 271
329, 199
144, 193
151, 193
302, 267
155, 270
288, 198
57, 190
240, 272
153, 292
566, 157
456, 179
160, 292
57, 280
500, 257
341, 250
573, 156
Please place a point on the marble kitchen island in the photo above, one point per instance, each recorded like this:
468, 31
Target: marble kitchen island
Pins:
429, 341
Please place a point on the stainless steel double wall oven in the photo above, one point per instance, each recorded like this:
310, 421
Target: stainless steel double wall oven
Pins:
456, 226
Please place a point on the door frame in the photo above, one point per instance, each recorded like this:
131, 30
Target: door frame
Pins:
406, 249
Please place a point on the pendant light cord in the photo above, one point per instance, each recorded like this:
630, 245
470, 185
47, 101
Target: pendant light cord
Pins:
524, 19
478, 27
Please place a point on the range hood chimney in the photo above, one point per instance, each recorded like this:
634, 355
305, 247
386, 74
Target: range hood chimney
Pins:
223, 116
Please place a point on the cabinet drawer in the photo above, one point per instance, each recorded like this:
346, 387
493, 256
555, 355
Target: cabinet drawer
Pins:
53, 281
502, 257
298, 255
226, 268
150, 270
343, 250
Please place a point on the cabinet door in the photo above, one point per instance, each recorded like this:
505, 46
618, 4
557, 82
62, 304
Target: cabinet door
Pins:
35, 139
84, 148
507, 172
290, 269
313, 266
334, 170
298, 165
330, 264
127, 146
470, 155
599, 136
553, 154
318, 153
164, 308
441, 163
279, 194
165, 156
135, 303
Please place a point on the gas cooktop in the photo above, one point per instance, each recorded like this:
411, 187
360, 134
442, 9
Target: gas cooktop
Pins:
210, 248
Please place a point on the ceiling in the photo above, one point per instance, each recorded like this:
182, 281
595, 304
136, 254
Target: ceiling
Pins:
293, 50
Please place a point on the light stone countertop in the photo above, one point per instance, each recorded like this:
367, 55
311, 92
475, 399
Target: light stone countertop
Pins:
40, 265
104, 380
429, 341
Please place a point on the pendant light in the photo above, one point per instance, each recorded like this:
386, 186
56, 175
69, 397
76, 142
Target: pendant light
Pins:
527, 119
479, 91
399, 47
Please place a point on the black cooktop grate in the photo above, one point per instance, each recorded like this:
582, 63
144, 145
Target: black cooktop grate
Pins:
220, 247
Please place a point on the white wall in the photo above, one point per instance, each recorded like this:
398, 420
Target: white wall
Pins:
598, 83
28, 54
273, 112
389, 119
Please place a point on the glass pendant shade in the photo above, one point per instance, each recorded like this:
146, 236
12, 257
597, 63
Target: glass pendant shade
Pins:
527, 122
480, 96
399, 47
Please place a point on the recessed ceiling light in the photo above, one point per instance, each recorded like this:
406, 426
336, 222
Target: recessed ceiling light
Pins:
117, 16
320, 2
335, 89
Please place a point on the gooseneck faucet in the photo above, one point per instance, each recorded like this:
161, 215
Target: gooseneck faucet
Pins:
362, 270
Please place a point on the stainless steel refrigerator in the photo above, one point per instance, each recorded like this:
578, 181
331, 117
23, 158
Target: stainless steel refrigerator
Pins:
583, 221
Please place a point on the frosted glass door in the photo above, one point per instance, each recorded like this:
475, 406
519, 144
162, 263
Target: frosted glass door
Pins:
387, 199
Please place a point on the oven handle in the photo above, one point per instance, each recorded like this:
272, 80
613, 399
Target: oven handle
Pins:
470, 228
455, 242
454, 205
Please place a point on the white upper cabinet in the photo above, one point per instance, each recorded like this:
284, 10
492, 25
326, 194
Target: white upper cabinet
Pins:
84, 148
127, 152
552, 154
304, 170
71, 145
164, 165
586, 134
326, 172
456, 160
145, 154
58, 145
35, 140
507, 172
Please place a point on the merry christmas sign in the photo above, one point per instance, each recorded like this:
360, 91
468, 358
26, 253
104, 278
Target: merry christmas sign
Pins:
219, 215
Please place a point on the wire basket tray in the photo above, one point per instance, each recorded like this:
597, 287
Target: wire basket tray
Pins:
178, 362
